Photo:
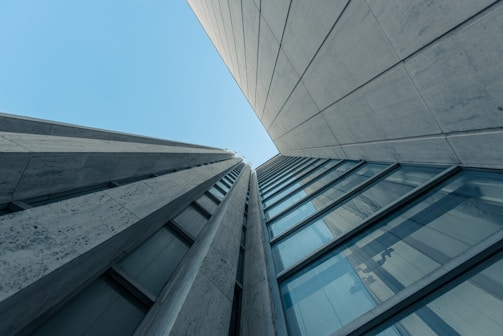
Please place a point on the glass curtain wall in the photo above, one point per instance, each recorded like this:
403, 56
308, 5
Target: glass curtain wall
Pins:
351, 238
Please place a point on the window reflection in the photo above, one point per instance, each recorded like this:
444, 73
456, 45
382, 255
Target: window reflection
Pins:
394, 254
309, 189
302, 182
328, 196
471, 308
350, 214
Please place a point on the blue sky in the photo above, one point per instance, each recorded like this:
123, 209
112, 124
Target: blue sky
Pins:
143, 67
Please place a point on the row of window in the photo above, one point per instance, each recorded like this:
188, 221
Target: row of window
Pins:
118, 300
349, 236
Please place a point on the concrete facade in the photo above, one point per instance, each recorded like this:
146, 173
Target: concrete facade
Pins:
53, 250
408, 81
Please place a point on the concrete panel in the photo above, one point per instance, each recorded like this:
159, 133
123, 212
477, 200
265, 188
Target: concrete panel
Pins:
275, 13
479, 149
11, 170
20, 124
355, 52
313, 133
223, 8
251, 19
461, 76
332, 152
93, 226
237, 28
267, 55
411, 24
425, 150
257, 316
283, 82
299, 107
27, 251
308, 24
211, 314
387, 108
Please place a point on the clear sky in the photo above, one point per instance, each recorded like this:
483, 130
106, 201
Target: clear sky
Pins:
144, 67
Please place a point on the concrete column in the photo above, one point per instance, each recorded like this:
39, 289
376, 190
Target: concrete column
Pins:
198, 300
257, 315
48, 252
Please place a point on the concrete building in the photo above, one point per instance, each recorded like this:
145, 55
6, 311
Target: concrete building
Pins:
408, 81
381, 216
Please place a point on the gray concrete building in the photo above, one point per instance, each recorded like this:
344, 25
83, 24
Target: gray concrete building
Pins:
409, 81
382, 214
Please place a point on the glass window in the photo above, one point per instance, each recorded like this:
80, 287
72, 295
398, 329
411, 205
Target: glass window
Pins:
273, 211
350, 214
297, 215
471, 308
100, 309
395, 253
207, 203
223, 186
217, 193
191, 220
303, 181
285, 178
153, 262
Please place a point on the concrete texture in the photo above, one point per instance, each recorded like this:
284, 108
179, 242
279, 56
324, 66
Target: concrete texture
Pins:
48, 252
198, 300
257, 316
386, 77
34, 165
21, 124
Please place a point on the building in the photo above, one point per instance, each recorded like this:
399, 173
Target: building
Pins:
382, 214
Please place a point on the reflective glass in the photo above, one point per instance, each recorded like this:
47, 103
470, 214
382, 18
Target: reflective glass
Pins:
473, 307
217, 193
283, 180
394, 254
350, 214
153, 262
309, 207
303, 181
98, 310
274, 211
322, 182
223, 186
207, 203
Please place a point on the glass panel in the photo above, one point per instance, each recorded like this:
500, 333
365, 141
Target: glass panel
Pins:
471, 308
223, 186
350, 214
207, 203
396, 253
98, 310
305, 180
191, 220
153, 262
217, 193
328, 196
280, 181
308, 190
274, 211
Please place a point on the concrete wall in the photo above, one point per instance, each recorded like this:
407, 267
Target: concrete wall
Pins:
33, 165
20, 124
198, 300
410, 81
48, 252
